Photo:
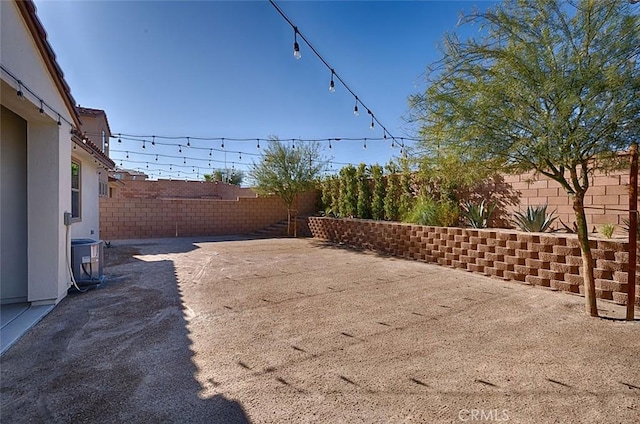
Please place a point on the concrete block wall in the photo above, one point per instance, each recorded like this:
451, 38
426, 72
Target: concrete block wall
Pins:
139, 217
547, 260
606, 202
180, 189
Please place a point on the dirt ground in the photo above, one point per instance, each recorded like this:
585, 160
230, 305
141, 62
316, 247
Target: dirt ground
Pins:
284, 330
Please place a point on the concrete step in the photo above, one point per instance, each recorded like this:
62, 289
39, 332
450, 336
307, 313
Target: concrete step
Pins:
279, 229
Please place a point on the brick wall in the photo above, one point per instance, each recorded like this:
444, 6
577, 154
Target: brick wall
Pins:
179, 189
548, 260
142, 217
606, 202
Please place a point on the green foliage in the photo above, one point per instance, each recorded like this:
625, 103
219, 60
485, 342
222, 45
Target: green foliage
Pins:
364, 192
379, 189
286, 171
348, 191
607, 230
229, 176
535, 219
326, 186
392, 195
477, 215
407, 198
427, 211
547, 85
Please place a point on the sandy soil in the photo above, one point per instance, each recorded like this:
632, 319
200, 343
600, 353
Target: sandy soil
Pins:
206, 331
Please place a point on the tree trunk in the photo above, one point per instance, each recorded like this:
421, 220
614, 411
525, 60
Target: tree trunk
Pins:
288, 221
587, 260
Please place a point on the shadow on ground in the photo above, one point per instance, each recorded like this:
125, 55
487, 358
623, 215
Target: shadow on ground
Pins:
119, 353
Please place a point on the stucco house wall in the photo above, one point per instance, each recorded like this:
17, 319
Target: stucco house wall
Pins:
38, 273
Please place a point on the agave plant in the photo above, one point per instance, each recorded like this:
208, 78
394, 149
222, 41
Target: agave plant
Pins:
477, 215
626, 226
535, 219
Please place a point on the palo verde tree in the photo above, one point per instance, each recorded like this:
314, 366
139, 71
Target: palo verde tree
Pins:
287, 171
548, 86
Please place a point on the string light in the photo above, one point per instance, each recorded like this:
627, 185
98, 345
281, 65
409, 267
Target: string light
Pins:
19, 93
296, 47
323, 60
332, 86
179, 148
188, 142
210, 152
222, 143
258, 143
153, 140
143, 144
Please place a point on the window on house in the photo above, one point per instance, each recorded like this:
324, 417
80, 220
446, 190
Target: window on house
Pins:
102, 189
75, 189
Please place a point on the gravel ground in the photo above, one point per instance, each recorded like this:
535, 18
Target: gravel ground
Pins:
286, 330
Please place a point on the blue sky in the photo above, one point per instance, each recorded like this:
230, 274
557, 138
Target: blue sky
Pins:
226, 69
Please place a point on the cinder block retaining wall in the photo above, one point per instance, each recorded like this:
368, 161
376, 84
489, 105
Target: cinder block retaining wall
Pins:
549, 260
127, 218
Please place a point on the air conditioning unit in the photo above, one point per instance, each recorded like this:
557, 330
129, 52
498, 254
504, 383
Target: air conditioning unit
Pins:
87, 258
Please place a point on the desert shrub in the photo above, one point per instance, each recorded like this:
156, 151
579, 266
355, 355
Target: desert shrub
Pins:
427, 211
477, 215
607, 230
534, 220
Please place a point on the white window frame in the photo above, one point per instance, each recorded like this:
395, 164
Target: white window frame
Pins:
77, 216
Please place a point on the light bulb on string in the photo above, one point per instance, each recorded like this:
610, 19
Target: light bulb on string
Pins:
147, 165
332, 86
384, 136
372, 123
20, 93
222, 143
179, 148
330, 144
144, 144
258, 143
355, 108
188, 142
296, 47
210, 152
156, 158
153, 140
119, 139
184, 161
127, 155
364, 146
240, 156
